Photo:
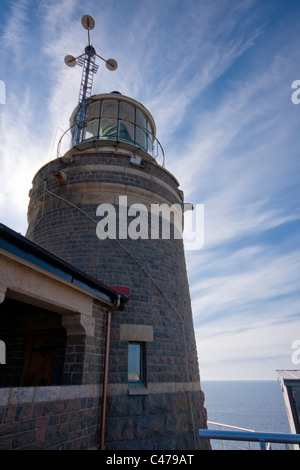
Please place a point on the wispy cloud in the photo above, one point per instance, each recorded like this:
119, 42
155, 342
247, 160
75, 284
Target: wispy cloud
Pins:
269, 280
252, 355
16, 34
201, 55
246, 306
29, 120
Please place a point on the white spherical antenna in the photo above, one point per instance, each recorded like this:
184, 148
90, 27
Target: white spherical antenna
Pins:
88, 22
111, 64
70, 61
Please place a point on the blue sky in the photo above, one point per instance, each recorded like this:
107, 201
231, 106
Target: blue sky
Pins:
217, 76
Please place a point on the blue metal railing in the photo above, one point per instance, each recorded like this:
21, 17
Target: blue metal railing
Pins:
261, 437
228, 444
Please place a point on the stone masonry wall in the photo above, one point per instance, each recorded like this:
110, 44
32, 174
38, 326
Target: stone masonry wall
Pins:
63, 416
161, 421
49, 418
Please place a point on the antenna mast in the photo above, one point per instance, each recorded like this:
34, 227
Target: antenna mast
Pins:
87, 61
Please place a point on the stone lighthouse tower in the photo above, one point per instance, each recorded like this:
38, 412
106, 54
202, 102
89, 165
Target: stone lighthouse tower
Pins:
100, 208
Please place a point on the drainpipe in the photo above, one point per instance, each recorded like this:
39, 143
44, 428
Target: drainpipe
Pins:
105, 378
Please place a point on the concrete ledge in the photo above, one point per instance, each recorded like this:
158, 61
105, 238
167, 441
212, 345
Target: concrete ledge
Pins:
156, 387
29, 283
21, 395
137, 389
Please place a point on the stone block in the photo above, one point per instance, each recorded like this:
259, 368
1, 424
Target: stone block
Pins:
23, 439
23, 412
120, 429
129, 332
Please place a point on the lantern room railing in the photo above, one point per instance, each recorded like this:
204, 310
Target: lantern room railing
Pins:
115, 135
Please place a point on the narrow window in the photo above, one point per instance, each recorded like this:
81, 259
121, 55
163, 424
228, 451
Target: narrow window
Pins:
136, 362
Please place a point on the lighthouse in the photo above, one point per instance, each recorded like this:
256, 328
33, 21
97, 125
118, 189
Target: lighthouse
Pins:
109, 207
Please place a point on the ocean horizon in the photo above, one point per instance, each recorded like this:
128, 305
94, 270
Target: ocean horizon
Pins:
257, 405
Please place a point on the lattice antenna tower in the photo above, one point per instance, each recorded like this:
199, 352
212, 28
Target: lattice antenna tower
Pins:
87, 61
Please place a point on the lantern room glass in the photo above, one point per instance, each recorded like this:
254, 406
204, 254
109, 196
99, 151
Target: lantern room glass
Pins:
117, 120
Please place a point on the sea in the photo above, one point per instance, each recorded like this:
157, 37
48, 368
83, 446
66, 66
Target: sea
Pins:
255, 405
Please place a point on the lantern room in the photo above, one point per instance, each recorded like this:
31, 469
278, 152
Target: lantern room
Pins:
114, 117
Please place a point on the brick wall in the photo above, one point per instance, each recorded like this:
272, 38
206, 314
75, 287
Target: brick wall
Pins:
65, 418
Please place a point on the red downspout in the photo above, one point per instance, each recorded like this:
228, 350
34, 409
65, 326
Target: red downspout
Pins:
105, 373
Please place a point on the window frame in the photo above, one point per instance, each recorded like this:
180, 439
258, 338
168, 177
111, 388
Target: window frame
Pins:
142, 363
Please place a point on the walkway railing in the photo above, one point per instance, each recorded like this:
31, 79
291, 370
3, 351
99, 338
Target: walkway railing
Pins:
226, 426
240, 434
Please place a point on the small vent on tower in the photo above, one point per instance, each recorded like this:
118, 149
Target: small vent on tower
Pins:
135, 160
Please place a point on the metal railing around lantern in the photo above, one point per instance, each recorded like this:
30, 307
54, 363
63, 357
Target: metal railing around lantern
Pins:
157, 151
